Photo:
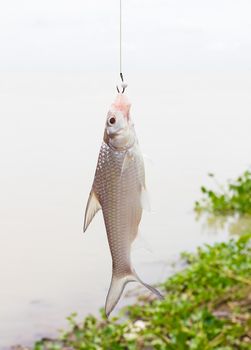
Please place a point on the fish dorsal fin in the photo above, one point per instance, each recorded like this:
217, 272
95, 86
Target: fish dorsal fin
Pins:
93, 206
144, 199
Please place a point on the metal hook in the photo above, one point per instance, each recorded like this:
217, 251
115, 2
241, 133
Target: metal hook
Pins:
123, 85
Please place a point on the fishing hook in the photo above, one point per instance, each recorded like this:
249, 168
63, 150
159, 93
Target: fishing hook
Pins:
123, 84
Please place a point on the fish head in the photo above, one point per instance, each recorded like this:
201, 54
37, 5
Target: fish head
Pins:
119, 131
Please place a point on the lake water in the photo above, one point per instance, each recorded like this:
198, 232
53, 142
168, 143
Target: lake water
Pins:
188, 124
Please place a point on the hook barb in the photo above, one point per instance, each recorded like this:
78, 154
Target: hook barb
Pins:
123, 85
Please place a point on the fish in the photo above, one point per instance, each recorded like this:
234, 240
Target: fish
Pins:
119, 190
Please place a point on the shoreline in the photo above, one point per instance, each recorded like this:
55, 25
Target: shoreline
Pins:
209, 300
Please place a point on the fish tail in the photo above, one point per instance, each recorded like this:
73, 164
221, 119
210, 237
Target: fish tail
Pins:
150, 288
115, 291
118, 285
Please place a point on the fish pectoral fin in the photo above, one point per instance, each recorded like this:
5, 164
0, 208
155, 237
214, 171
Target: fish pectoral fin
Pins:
126, 162
144, 199
92, 207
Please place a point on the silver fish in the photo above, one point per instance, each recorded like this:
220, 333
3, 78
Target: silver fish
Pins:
119, 190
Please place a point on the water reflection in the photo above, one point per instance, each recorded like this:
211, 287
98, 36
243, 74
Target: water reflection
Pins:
235, 224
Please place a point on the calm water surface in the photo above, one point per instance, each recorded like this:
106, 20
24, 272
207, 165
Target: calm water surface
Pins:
52, 126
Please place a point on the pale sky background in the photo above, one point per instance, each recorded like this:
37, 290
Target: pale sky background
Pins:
160, 34
188, 66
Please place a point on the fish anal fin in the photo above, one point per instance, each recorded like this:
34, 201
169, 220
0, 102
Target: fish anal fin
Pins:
92, 207
141, 242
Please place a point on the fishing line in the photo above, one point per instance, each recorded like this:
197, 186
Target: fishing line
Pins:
123, 85
120, 38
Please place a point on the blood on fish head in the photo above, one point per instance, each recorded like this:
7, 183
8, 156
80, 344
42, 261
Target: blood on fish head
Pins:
122, 104
119, 128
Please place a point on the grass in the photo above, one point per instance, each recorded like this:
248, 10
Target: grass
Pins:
235, 197
206, 306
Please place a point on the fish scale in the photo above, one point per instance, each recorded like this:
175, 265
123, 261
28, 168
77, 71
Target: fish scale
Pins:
116, 191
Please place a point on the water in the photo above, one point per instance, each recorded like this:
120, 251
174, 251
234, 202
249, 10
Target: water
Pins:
51, 130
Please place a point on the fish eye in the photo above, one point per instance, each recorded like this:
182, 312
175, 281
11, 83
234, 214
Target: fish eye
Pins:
112, 120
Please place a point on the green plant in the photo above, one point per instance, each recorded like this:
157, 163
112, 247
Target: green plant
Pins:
235, 197
206, 306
